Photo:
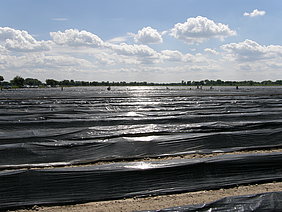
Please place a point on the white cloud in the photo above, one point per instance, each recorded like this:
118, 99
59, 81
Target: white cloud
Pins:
172, 55
249, 50
35, 60
74, 37
133, 50
252, 60
210, 51
59, 61
177, 56
3, 50
79, 54
60, 19
148, 35
21, 41
255, 13
200, 29
118, 40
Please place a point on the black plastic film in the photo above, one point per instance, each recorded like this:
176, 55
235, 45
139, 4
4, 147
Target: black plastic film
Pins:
120, 180
271, 201
48, 127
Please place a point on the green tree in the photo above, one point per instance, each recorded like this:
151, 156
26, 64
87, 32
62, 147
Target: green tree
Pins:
278, 82
1, 79
52, 82
219, 82
65, 83
32, 82
18, 81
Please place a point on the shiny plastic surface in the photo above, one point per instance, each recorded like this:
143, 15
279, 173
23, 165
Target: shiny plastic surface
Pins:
271, 201
120, 180
49, 127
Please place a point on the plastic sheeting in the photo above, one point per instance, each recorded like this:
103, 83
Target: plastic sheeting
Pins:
76, 152
49, 127
119, 180
271, 201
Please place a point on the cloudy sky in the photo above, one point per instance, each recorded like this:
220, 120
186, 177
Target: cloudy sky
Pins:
141, 40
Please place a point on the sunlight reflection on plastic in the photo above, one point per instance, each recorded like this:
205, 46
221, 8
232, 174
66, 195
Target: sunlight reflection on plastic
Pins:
142, 165
146, 138
133, 114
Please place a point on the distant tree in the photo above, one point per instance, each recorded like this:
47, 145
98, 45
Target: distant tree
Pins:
202, 82
18, 81
266, 82
196, 83
250, 82
32, 82
206, 82
52, 82
278, 82
84, 83
1, 79
65, 83
219, 82
72, 82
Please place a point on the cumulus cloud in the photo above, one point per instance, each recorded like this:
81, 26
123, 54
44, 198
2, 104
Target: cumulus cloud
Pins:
74, 37
60, 61
177, 56
41, 60
210, 51
3, 50
120, 39
249, 50
148, 35
255, 13
133, 50
22, 41
92, 54
60, 19
200, 29
172, 55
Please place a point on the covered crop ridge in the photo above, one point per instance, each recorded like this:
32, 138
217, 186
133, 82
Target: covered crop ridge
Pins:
119, 180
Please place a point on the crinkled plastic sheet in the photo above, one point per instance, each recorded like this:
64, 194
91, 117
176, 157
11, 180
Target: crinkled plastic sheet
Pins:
54, 153
48, 127
271, 201
119, 180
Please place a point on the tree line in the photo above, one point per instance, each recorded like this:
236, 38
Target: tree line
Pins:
19, 81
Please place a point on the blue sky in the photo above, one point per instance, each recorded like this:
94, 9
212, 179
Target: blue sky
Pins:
141, 40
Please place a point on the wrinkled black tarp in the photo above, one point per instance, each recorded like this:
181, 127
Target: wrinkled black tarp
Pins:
72, 152
119, 180
48, 127
271, 201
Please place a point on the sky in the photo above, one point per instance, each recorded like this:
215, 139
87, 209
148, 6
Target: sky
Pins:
141, 40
